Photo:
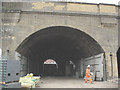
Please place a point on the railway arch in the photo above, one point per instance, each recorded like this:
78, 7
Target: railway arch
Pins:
83, 31
62, 44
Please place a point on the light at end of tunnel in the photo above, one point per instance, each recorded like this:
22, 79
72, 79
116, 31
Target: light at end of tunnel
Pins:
50, 61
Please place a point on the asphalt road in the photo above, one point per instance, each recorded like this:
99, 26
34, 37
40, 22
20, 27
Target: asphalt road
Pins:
70, 82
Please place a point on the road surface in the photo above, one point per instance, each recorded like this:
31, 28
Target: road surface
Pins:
70, 82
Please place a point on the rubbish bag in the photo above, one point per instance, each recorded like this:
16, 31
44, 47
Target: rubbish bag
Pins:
29, 81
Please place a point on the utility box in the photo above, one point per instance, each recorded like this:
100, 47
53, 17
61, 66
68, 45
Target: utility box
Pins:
9, 70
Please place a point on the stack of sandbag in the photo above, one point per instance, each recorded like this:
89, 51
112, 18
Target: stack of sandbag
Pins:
29, 81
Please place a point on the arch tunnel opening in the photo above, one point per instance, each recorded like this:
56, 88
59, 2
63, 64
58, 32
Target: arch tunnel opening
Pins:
50, 68
60, 43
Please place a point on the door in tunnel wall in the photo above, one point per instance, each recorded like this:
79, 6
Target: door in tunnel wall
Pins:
96, 63
69, 69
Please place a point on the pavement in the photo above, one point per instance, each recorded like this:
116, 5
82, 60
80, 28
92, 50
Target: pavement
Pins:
71, 82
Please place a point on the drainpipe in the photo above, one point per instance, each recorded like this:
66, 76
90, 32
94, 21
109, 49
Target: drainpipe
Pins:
0, 31
1, 39
105, 70
111, 64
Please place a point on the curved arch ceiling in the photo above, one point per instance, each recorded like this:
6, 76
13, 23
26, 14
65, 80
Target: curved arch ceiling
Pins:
59, 43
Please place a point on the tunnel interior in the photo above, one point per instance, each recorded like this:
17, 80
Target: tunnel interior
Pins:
60, 43
118, 61
50, 68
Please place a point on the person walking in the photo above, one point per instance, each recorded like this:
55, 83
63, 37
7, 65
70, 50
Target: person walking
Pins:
88, 75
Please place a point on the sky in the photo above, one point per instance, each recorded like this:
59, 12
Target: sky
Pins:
102, 1
96, 1
88, 1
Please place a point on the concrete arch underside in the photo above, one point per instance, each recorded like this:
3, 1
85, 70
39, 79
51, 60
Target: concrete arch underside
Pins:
62, 44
